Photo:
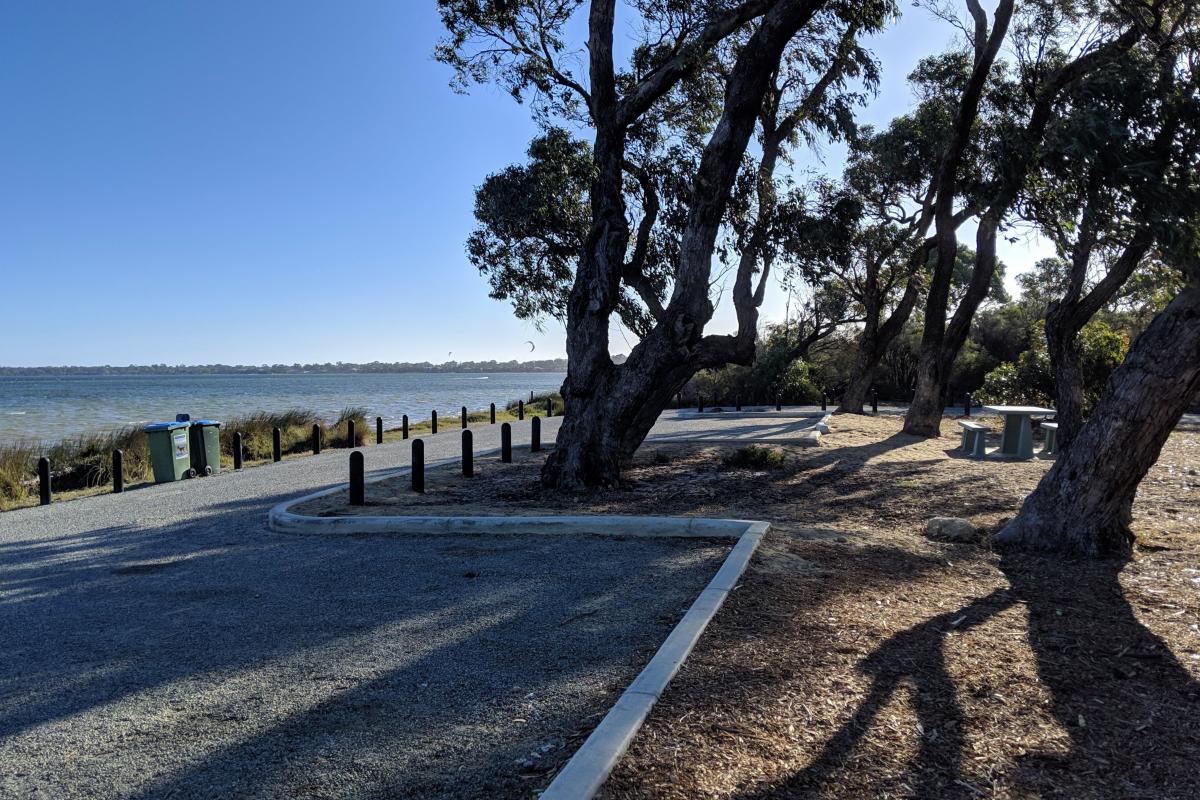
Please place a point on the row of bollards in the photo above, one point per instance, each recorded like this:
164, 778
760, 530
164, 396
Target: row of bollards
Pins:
358, 472
45, 494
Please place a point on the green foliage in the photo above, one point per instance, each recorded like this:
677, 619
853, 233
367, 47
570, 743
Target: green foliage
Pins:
538, 401
532, 222
755, 457
776, 373
1030, 380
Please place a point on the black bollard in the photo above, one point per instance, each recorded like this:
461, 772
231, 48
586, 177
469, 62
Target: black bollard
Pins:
404, 427
238, 451
967, 405
824, 402
463, 415
418, 466
433, 423
737, 402
549, 406
778, 403
531, 397
679, 400
493, 411
351, 439
535, 434
44, 480
874, 401
506, 443
468, 454
700, 403
316, 440
521, 409
276, 445
379, 430
358, 488
118, 472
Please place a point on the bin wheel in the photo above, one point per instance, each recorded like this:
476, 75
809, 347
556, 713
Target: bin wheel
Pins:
191, 473
208, 470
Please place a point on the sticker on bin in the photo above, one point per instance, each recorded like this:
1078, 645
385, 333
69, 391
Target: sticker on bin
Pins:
181, 445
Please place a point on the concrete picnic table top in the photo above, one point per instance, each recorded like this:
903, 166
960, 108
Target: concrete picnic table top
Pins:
1018, 432
1019, 410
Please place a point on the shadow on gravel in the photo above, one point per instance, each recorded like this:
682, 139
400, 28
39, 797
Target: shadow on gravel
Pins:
215, 659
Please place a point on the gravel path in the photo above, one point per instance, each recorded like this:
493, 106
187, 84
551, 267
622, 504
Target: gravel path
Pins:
163, 643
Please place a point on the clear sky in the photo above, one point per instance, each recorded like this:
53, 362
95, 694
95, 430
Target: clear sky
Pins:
265, 182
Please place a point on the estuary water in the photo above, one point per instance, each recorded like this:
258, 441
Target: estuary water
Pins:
54, 407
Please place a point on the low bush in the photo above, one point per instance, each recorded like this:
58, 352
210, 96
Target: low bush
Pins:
754, 457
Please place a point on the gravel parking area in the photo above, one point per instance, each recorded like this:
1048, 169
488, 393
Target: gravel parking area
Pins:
209, 661
163, 643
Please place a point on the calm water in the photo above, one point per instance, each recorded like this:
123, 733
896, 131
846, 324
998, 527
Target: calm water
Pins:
49, 408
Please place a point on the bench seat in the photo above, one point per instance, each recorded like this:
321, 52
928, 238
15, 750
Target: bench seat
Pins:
1050, 448
974, 437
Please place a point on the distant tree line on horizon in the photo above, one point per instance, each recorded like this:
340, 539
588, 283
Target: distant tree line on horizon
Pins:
340, 367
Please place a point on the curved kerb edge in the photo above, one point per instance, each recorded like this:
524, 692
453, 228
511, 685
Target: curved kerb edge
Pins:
583, 775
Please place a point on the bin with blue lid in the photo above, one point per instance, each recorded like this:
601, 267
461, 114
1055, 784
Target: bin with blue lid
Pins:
205, 441
170, 453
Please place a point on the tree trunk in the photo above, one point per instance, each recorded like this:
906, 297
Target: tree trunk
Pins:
610, 409
1063, 348
862, 376
1084, 505
876, 338
939, 347
602, 429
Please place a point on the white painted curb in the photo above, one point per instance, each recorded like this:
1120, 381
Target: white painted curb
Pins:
592, 763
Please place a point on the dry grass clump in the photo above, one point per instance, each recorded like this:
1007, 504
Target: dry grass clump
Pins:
84, 462
80, 462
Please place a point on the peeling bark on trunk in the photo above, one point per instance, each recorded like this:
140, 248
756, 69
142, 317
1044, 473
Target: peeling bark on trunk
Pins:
1083, 505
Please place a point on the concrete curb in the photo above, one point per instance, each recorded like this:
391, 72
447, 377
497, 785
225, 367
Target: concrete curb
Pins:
587, 770
592, 763
281, 520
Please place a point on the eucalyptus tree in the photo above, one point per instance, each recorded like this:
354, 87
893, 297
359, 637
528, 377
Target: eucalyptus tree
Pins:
1106, 191
677, 121
882, 249
1083, 506
1010, 107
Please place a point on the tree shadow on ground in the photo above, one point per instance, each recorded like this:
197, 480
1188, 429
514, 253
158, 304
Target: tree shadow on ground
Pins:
1117, 688
911, 661
1130, 709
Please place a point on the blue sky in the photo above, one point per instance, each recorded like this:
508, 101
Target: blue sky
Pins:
262, 182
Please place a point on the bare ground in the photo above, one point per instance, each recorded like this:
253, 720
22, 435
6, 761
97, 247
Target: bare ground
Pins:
859, 659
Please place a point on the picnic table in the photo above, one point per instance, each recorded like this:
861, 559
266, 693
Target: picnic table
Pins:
1018, 431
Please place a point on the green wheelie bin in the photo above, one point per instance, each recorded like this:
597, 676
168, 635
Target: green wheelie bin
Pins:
205, 441
170, 454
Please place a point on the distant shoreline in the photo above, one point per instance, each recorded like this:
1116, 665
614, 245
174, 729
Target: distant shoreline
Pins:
548, 365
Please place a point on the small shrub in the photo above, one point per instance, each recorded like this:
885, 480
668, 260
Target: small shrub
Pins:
538, 403
339, 433
755, 457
